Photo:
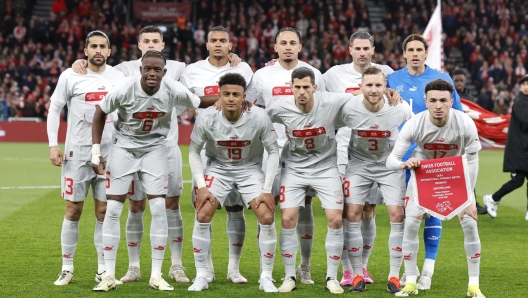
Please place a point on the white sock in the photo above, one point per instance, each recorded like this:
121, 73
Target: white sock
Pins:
236, 232
209, 259
111, 235
158, 234
134, 234
175, 228
354, 244
428, 267
368, 231
472, 246
410, 246
334, 248
289, 246
268, 246
305, 229
345, 260
201, 240
98, 242
395, 249
69, 239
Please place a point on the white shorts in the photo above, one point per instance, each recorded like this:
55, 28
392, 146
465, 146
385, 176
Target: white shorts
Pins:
77, 176
233, 198
295, 187
174, 157
248, 182
151, 168
363, 182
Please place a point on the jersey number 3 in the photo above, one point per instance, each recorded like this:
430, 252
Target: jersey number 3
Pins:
373, 145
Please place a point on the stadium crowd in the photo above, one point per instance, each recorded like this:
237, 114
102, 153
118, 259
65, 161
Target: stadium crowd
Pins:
491, 36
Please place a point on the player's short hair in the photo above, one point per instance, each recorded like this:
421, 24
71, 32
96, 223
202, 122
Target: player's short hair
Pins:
220, 28
439, 85
303, 72
95, 33
153, 53
232, 78
151, 29
414, 37
361, 35
288, 29
459, 71
372, 70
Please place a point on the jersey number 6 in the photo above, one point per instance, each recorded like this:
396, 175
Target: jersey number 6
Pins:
147, 125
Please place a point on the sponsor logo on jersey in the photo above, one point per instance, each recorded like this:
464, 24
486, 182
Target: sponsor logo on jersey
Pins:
288, 255
133, 244
108, 248
268, 255
308, 125
413, 88
375, 134
436, 146
234, 144
334, 257
281, 91
375, 126
160, 247
234, 137
101, 88
94, 96
152, 108
309, 133
148, 115
351, 89
211, 90
441, 140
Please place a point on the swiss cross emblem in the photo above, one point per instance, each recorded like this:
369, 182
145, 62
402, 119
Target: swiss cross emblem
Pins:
385, 133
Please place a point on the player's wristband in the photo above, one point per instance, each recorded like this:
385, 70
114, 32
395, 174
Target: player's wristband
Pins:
96, 152
200, 182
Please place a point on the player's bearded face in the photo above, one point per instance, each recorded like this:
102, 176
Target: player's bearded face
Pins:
232, 97
303, 90
439, 104
361, 51
415, 53
218, 44
288, 46
97, 50
373, 87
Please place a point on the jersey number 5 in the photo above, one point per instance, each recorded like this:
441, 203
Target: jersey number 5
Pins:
373, 145
147, 125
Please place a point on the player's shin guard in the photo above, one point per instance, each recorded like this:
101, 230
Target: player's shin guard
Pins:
305, 229
98, 242
236, 232
395, 248
267, 246
354, 243
410, 246
345, 260
432, 235
289, 246
175, 225
201, 239
134, 234
333, 244
111, 235
158, 234
69, 239
368, 232
472, 246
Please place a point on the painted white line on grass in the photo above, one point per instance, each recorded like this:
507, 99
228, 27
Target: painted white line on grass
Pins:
48, 186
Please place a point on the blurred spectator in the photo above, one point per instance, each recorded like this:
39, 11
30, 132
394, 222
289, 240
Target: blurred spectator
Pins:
460, 78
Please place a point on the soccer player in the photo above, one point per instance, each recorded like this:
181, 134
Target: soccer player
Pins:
145, 105
452, 127
273, 83
374, 125
202, 79
347, 78
82, 94
309, 160
410, 83
234, 145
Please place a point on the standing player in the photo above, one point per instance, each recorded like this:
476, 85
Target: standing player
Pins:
145, 105
82, 94
347, 78
410, 83
452, 127
202, 79
234, 143
273, 83
374, 125
309, 161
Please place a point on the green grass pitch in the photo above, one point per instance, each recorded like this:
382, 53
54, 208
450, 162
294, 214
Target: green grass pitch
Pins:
31, 217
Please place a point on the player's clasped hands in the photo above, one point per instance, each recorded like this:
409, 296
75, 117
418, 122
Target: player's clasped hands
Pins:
266, 199
411, 163
203, 196
56, 156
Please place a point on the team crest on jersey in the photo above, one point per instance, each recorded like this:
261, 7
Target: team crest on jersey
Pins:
281, 90
94, 96
148, 115
399, 88
211, 90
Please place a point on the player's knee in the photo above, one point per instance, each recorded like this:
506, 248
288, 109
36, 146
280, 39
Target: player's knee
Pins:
266, 219
137, 206
172, 203
367, 215
73, 210
202, 217
397, 215
335, 222
288, 222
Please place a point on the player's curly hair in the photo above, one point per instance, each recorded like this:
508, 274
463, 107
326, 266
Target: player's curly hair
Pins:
303, 72
151, 29
95, 33
232, 78
153, 53
439, 85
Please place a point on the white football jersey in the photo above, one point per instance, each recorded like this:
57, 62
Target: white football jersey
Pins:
234, 145
459, 136
174, 71
311, 145
373, 134
273, 83
82, 94
144, 120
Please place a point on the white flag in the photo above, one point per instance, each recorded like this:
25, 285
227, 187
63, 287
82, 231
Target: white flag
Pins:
433, 36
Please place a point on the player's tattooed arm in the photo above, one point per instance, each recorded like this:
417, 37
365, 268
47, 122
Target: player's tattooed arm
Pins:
393, 96
79, 66
98, 162
234, 59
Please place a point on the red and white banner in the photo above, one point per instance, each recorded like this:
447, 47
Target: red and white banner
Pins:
433, 36
492, 129
442, 186
162, 11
